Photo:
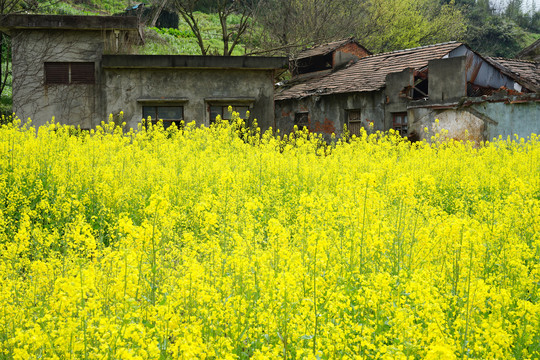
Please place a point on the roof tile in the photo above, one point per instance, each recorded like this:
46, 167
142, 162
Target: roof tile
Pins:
523, 69
367, 74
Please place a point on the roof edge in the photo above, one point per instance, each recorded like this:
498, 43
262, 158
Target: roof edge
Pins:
194, 61
68, 22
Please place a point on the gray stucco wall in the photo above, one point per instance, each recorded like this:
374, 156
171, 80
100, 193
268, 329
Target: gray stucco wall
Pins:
447, 79
74, 104
67, 103
395, 102
125, 87
121, 89
478, 122
328, 114
521, 119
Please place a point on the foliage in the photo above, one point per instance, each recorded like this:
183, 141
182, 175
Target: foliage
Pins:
213, 243
225, 9
502, 33
182, 41
287, 26
400, 24
82, 7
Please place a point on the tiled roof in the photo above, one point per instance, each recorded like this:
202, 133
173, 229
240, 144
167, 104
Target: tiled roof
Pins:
367, 74
323, 49
526, 71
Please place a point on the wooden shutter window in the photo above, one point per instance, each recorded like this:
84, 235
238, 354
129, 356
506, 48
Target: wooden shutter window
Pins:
56, 73
82, 73
355, 122
301, 119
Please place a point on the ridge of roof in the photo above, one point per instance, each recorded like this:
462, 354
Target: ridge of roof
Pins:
323, 49
524, 72
416, 48
529, 48
497, 58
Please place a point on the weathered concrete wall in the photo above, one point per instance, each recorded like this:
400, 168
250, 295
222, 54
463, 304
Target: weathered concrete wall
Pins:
520, 119
447, 79
460, 124
395, 103
328, 114
478, 122
74, 104
115, 90
123, 89
32, 97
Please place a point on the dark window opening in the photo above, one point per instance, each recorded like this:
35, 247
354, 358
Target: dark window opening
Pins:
355, 122
400, 123
301, 119
168, 114
69, 73
420, 90
311, 64
225, 114
477, 91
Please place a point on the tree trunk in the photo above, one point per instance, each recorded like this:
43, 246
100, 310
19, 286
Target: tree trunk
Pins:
158, 12
224, 33
2, 82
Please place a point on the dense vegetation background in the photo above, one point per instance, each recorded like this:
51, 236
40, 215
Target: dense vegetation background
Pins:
284, 27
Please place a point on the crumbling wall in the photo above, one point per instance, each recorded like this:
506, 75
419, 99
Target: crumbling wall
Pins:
447, 79
328, 114
459, 124
478, 121
510, 119
397, 94
348, 52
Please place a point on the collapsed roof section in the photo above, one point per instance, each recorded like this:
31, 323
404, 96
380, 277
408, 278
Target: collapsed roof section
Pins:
328, 48
369, 73
525, 70
327, 57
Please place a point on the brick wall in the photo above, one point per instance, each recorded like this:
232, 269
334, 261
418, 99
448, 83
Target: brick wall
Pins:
354, 49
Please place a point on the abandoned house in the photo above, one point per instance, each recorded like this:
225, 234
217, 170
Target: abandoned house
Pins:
327, 57
473, 97
78, 69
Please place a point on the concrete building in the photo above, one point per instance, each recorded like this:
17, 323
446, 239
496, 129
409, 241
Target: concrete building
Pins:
473, 97
79, 70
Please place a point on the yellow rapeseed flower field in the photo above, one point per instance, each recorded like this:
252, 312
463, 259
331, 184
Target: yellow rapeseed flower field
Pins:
224, 243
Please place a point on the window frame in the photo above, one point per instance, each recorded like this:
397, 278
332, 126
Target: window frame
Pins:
225, 110
355, 121
301, 119
225, 102
166, 122
401, 127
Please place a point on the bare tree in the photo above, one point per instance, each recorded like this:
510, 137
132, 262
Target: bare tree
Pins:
283, 26
231, 35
